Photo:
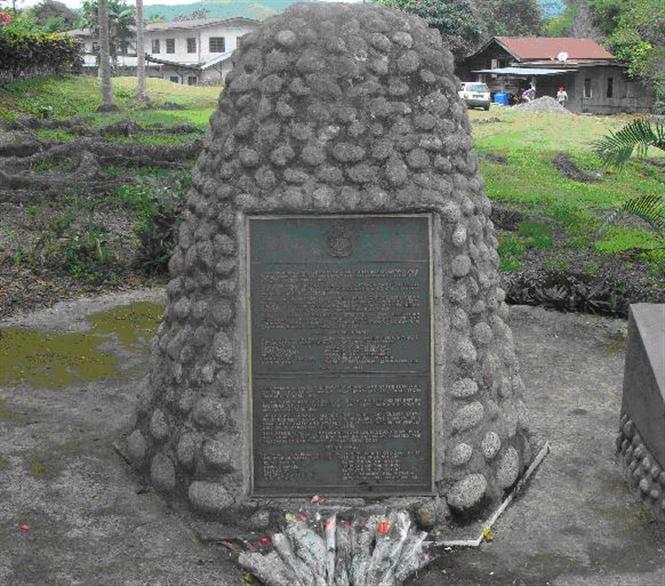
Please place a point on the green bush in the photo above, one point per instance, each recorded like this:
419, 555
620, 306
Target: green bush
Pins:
156, 201
30, 54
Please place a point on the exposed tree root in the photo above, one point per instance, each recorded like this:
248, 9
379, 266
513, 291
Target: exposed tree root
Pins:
110, 154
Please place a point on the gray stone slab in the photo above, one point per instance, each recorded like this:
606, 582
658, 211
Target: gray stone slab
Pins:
644, 375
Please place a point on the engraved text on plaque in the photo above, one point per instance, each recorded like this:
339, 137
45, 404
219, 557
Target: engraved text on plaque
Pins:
340, 355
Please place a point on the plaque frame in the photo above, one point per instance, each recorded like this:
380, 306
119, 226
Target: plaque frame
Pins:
244, 224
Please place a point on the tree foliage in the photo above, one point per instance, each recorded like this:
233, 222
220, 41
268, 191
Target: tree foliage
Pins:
53, 16
121, 24
636, 35
512, 17
466, 24
459, 21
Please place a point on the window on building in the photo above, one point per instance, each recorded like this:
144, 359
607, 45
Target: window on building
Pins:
174, 78
610, 87
155, 46
191, 45
95, 47
191, 80
588, 93
170, 45
217, 44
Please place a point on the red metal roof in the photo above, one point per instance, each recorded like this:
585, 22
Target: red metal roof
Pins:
527, 48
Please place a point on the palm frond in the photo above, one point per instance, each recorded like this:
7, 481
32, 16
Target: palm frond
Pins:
650, 208
640, 134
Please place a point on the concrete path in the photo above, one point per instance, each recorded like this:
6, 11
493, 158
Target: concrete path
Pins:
72, 513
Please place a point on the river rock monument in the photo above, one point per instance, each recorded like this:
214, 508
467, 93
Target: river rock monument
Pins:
335, 324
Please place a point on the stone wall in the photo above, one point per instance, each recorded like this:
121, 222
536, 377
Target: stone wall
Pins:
332, 109
641, 467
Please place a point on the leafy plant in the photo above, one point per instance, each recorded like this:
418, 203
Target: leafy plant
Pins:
617, 147
156, 200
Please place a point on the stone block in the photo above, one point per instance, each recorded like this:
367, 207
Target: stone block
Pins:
644, 375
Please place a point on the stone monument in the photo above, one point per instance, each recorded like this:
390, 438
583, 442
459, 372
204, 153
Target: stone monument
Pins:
641, 440
335, 324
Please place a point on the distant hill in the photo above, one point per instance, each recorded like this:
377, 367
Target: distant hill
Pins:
266, 8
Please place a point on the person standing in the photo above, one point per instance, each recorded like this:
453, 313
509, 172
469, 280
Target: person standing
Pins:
562, 96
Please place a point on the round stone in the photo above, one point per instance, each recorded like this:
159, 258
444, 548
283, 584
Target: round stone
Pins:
463, 388
418, 158
459, 235
186, 449
628, 429
490, 445
209, 497
209, 412
467, 493
408, 62
403, 39
461, 265
451, 212
136, 446
460, 454
466, 352
396, 171
509, 468
286, 38
482, 334
459, 319
162, 473
468, 416
218, 455
159, 428
222, 348
313, 155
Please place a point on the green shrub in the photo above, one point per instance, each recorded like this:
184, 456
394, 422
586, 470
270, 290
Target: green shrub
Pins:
28, 54
157, 201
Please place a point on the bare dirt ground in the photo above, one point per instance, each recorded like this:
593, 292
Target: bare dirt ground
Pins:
71, 512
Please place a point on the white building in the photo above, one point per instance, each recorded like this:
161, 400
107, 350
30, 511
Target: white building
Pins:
189, 52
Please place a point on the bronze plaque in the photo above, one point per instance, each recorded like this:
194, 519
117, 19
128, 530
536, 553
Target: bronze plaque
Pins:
340, 367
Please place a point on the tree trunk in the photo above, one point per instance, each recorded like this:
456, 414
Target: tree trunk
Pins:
140, 53
104, 64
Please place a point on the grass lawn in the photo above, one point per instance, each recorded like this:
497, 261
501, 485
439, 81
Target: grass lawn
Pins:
517, 152
75, 96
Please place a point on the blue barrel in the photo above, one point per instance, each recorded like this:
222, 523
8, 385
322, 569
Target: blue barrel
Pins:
501, 98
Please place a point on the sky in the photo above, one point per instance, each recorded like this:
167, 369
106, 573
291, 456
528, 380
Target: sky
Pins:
77, 3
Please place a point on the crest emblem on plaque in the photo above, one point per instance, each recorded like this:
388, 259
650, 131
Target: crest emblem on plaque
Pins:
338, 242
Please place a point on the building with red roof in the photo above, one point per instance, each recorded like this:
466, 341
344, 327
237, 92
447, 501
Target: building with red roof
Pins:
594, 79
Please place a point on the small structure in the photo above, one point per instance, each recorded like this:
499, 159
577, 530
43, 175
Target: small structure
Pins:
335, 324
188, 51
594, 80
641, 439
